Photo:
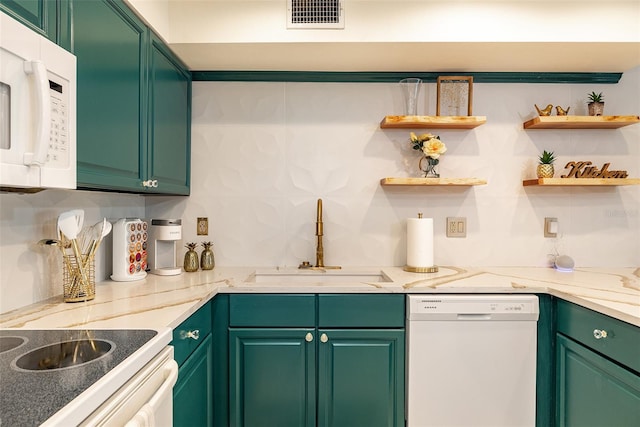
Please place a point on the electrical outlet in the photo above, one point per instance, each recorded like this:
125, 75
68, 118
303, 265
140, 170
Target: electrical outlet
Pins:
203, 226
456, 226
550, 227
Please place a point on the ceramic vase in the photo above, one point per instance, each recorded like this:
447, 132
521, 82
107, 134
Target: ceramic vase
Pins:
596, 108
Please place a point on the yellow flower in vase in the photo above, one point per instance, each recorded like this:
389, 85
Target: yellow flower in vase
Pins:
432, 147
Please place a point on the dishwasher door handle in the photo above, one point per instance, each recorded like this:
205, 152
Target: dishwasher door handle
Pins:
474, 316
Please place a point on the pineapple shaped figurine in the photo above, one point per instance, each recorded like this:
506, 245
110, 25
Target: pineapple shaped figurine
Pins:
545, 168
207, 261
191, 258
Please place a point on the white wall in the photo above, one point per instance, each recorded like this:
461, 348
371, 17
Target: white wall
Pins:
264, 152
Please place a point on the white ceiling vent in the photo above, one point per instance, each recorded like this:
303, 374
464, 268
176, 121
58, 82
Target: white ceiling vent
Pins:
315, 14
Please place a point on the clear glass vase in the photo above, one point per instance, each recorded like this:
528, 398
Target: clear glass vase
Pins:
410, 89
429, 167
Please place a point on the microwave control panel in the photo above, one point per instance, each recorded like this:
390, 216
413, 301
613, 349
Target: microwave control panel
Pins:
58, 151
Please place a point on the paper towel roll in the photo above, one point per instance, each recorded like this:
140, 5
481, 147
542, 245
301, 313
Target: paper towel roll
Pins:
420, 242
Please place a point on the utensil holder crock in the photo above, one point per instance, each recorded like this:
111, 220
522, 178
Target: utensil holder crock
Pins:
75, 288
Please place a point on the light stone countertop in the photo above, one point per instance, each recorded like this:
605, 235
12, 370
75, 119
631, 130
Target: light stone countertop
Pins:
166, 301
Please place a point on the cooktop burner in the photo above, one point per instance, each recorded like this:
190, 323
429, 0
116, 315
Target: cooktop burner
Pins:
43, 370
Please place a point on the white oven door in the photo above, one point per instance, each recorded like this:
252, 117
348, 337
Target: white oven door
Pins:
145, 400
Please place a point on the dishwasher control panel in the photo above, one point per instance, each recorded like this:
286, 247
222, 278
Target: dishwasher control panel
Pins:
472, 307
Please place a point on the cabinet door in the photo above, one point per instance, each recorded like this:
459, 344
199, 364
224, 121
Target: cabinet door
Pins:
272, 377
110, 45
193, 393
170, 122
361, 377
40, 15
593, 391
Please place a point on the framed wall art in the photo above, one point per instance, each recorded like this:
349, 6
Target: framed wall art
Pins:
455, 95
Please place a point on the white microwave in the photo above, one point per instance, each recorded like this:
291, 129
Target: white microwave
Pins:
37, 110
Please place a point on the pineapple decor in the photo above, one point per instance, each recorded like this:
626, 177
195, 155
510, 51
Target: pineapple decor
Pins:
191, 258
545, 168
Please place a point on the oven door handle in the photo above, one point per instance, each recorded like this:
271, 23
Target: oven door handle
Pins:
145, 416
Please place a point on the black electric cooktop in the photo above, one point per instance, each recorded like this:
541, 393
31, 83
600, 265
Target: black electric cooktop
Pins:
41, 371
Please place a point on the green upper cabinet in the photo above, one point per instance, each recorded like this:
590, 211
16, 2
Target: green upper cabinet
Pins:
169, 121
133, 104
51, 18
110, 45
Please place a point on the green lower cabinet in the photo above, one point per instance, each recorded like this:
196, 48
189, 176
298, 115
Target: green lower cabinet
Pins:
272, 377
192, 394
592, 390
360, 378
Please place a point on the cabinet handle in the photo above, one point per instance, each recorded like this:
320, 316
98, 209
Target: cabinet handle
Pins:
194, 335
154, 183
150, 183
599, 334
324, 338
308, 337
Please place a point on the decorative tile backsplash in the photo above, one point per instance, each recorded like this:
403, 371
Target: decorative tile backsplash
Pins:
263, 153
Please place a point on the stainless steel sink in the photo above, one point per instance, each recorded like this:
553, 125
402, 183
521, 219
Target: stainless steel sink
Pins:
319, 276
64, 355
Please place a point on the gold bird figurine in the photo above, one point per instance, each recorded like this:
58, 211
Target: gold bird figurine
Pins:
562, 112
546, 111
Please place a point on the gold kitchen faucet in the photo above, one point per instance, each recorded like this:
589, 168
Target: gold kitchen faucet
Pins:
319, 248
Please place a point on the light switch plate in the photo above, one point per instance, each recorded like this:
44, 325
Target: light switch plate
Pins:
456, 226
203, 226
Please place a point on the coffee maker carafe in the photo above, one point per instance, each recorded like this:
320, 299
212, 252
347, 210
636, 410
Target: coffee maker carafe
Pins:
163, 236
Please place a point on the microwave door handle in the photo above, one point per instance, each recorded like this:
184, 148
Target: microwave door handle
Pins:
43, 116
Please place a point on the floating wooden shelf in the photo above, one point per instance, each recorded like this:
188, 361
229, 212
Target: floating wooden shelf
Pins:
581, 181
432, 122
580, 122
425, 182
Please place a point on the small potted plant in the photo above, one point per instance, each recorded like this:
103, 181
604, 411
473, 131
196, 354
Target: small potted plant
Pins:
596, 104
545, 166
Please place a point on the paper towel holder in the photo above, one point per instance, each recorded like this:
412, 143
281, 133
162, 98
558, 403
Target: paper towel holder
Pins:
431, 269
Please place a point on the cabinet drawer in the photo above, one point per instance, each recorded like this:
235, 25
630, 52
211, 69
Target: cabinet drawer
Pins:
184, 336
620, 344
272, 310
358, 310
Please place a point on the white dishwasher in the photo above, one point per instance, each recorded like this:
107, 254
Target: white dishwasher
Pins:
471, 360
